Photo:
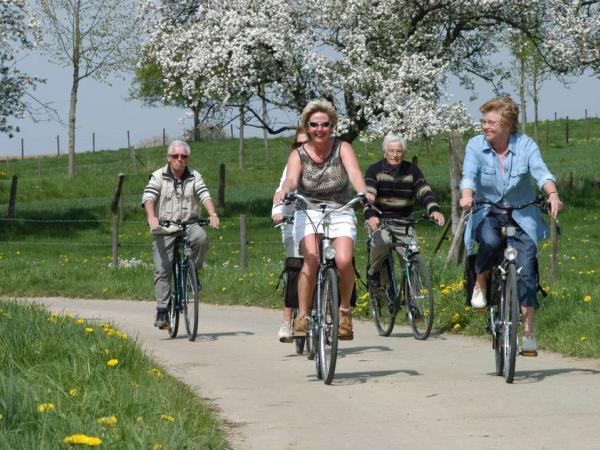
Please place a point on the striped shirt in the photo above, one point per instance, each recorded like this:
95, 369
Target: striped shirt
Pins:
396, 188
176, 199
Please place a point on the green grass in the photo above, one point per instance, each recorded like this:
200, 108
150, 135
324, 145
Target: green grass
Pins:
55, 382
44, 253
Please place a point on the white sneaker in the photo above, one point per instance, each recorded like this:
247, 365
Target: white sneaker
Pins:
528, 346
285, 332
478, 300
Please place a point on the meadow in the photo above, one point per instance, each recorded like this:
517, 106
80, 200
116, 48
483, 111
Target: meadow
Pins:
60, 242
68, 382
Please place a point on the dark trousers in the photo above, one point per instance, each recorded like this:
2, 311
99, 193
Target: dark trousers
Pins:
489, 237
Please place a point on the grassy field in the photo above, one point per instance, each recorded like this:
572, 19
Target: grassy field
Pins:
60, 243
67, 381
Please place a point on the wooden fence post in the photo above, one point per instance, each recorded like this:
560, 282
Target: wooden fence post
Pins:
93, 142
22, 148
554, 256
12, 210
567, 130
587, 127
164, 138
39, 161
222, 185
546, 134
116, 219
243, 244
57, 145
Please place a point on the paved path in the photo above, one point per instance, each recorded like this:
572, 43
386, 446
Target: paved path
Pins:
391, 392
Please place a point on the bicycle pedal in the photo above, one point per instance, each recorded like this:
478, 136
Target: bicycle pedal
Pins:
346, 338
286, 340
528, 354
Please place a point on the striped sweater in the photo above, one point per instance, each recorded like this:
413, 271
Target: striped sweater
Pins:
396, 188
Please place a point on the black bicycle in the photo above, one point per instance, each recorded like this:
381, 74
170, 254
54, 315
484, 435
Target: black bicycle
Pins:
322, 333
185, 289
502, 293
414, 291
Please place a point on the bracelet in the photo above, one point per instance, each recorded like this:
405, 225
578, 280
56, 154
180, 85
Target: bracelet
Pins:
553, 192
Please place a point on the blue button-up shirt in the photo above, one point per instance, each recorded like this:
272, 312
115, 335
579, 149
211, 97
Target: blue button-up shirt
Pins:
481, 172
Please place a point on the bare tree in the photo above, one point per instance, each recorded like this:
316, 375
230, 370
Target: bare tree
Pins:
95, 38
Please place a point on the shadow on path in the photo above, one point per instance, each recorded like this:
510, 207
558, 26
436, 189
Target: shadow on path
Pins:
535, 376
350, 378
343, 352
209, 337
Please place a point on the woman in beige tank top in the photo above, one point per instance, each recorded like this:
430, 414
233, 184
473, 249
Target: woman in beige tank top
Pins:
322, 170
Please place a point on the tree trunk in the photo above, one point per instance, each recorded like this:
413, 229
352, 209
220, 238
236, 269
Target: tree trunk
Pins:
522, 81
242, 121
535, 96
265, 134
196, 133
74, 87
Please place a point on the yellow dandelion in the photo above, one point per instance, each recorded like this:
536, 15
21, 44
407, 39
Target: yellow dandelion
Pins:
45, 407
583, 338
456, 326
82, 439
112, 362
1, 417
104, 290
223, 289
80, 321
155, 372
89, 330
108, 421
365, 296
587, 298
139, 419
72, 392
167, 418
157, 446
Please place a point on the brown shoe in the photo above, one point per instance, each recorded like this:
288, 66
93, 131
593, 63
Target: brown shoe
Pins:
300, 325
345, 332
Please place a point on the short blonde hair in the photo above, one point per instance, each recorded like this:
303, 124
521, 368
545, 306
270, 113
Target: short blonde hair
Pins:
315, 106
506, 107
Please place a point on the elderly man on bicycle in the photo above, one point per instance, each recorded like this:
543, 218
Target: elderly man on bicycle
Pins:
396, 184
174, 193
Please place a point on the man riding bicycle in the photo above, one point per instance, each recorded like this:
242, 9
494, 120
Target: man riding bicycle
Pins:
174, 193
396, 184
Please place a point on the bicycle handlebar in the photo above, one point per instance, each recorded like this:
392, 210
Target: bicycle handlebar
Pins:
539, 201
402, 220
168, 223
294, 197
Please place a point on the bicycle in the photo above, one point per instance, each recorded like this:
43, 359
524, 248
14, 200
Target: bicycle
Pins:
415, 290
185, 295
324, 319
502, 293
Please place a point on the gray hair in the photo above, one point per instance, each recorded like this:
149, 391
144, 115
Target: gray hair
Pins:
393, 138
179, 143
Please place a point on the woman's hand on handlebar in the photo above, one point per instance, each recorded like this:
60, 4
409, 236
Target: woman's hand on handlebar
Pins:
279, 197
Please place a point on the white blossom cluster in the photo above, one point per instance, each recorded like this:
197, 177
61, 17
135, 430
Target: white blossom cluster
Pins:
384, 63
18, 31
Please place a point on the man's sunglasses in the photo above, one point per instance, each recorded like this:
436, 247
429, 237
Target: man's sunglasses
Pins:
178, 156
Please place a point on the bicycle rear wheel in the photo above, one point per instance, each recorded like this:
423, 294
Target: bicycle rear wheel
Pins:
328, 329
418, 293
173, 304
511, 314
190, 299
383, 301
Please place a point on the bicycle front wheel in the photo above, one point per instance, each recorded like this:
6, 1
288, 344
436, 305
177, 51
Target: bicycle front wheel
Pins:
190, 299
328, 328
418, 293
382, 301
173, 304
511, 322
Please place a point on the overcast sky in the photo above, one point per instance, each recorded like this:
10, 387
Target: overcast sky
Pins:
103, 109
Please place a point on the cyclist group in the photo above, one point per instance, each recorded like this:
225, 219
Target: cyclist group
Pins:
498, 166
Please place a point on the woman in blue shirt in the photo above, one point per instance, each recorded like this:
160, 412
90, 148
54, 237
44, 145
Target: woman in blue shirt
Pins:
498, 167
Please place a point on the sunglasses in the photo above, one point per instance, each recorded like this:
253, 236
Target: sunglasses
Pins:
178, 156
319, 124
